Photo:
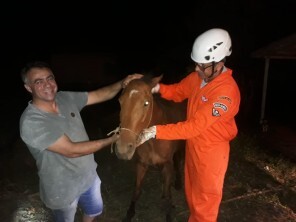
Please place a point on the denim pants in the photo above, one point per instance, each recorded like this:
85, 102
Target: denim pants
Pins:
90, 202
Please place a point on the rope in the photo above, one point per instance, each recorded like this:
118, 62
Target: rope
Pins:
116, 131
122, 128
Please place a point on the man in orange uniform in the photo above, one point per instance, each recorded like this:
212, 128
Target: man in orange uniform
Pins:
213, 101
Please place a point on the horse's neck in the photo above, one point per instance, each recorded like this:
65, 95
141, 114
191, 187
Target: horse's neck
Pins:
158, 114
165, 111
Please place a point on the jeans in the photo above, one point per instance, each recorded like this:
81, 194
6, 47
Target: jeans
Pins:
90, 202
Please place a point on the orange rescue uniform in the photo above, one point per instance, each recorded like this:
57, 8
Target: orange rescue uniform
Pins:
209, 128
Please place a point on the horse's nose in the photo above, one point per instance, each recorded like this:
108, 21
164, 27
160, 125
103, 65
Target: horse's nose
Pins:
124, 147
130, 146
124, 150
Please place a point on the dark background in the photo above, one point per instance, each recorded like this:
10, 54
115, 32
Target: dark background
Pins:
36, 30
145, 36
94, 43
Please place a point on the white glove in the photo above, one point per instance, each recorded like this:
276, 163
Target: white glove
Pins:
146, 134
155, 89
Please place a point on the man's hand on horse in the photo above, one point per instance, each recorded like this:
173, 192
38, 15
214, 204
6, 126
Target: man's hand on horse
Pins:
146, 134
129, 78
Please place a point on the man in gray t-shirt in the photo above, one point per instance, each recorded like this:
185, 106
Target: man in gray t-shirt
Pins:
52, 129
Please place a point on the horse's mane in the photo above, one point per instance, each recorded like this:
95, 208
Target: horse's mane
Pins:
171, 108
147, 78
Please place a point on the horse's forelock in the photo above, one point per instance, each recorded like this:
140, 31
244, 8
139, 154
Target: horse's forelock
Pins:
147, 78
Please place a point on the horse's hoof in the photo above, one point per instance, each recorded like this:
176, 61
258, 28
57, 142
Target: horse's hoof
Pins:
126, 219
168, 218
129, 215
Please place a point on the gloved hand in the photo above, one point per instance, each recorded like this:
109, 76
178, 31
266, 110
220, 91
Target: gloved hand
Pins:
155, 89
146, 134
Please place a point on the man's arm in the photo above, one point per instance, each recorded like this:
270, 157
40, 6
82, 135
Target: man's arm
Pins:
66, 147
108, 92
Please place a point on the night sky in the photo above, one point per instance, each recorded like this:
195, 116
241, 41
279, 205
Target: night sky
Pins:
144, 30
38, 29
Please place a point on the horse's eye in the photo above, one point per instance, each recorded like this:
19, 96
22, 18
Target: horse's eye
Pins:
146, 103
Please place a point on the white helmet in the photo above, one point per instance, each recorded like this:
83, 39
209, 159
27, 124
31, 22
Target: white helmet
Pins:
211, 46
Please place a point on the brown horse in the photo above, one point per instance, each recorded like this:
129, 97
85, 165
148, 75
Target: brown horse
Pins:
141, 109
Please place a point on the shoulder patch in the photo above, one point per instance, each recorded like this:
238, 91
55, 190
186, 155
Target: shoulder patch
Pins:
204, 99
225, 98
220, 106
215, 112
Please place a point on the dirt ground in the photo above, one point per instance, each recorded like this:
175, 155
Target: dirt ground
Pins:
260, 184
253, 191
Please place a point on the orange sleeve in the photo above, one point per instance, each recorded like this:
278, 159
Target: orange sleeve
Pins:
179, 91
190, 128
222, 106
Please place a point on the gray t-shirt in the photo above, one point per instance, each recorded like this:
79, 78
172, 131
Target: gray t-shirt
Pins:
62, 179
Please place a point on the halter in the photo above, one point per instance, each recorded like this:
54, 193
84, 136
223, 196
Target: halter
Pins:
127, 129
119, 128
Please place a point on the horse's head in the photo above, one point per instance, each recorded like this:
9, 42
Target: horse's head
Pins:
136, 110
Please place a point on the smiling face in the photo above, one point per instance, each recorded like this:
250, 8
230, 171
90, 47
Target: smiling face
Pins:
40, 82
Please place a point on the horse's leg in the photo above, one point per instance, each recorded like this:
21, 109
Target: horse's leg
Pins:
167, 172
141, 171
178, 166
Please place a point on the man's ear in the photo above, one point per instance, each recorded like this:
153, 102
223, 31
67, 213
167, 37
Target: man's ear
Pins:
28, 88
219, 66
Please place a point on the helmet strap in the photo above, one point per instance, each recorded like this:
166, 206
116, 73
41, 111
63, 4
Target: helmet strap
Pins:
213, 71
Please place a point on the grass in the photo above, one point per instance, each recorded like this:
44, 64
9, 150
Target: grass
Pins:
259, 186
280, 167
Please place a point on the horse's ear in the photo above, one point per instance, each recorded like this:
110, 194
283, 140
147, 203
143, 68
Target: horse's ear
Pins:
156, 80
